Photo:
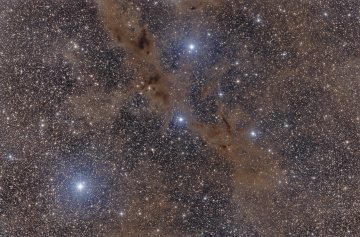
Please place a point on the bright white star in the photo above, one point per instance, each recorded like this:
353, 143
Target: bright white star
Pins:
253, 133
80, 186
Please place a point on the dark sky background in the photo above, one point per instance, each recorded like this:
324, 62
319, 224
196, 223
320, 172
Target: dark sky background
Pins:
179, 118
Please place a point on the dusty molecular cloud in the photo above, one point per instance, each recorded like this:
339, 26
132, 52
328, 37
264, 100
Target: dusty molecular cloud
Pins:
179, 118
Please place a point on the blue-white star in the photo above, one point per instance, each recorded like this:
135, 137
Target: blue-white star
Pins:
80, 186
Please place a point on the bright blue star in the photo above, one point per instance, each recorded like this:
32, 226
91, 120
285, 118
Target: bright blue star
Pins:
191, 48
80, 186
10, 157
253, 134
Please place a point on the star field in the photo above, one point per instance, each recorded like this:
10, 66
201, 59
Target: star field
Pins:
177, 118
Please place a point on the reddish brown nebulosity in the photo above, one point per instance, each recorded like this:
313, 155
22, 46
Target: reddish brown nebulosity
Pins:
179, 118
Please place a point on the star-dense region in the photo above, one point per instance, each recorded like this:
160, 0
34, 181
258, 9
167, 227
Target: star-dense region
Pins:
180, 118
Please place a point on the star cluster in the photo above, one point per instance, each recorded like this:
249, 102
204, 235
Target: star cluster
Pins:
179, 118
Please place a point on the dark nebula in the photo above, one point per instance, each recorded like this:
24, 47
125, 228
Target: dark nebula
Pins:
179, 118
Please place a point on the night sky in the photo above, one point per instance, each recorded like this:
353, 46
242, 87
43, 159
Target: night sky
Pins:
180, 118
